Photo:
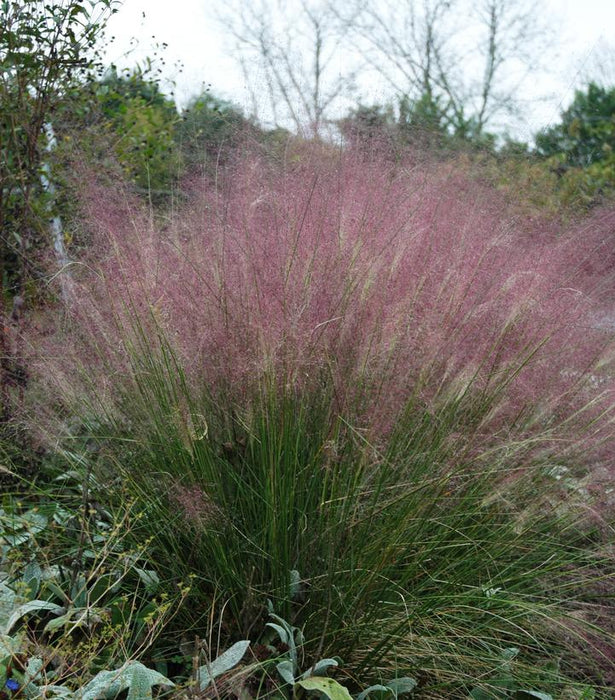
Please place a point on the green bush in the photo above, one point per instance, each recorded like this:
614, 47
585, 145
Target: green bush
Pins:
45, 50
586, 134
209, 130
142, 123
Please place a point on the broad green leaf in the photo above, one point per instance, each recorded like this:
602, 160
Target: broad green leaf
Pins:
289, 628
36, 522
223, 663
9, 646
299, 639
57, 591
104, 585
16, 540
33, 669
140, 681
62, 516
321, 667
149, 578
31, 607
79, 593
286, 671
7, 604
284, 635
77, 617
381, 692
107, 684
32, 674
55, 691
289, 635
32, 576
327, 686
402, 686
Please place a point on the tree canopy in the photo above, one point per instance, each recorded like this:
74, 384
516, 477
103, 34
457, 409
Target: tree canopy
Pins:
586, 133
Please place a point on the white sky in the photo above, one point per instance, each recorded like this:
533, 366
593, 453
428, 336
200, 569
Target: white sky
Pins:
586, 27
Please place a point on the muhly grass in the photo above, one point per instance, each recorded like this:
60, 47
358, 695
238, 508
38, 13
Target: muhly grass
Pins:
365, 374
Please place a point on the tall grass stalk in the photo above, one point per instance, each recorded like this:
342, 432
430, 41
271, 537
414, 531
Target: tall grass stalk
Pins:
366, 376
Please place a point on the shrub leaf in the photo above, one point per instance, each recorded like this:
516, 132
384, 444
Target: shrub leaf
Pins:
320, 667
327, 686
223, 663
32, 606
134, 675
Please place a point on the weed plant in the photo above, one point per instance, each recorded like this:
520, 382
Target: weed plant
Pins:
77, 597
346, 388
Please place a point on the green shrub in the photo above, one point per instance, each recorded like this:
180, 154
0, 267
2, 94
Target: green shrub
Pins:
209, 130
142, 122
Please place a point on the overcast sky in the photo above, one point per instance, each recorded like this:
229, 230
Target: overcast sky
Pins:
195, 42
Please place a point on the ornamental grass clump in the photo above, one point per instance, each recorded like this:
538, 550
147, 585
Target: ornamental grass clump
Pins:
346, 387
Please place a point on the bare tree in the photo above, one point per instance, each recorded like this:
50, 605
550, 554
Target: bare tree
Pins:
467, 57
289, 53
598, 65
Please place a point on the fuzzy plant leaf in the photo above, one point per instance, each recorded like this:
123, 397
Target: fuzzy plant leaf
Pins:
149, 578
34, 521
57, 591
402, 686
105, 684
291, 636
140, 681
376, 692
30, 688
325, 686
134, 676
32, 577
78, 593
16, 540
55, 691
31, 607
286, 671
78, 617
9, 646
284, 635
223, 663
33, 669
321, 667
392, 689
7, 604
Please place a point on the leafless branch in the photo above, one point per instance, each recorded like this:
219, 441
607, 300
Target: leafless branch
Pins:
293, 44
